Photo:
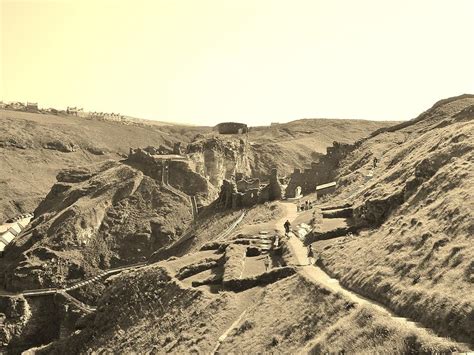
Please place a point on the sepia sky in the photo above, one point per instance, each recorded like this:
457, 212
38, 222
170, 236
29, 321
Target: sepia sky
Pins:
254, 61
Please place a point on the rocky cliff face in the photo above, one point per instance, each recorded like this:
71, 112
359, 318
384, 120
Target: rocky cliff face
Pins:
178, 173
94, 218
219, 158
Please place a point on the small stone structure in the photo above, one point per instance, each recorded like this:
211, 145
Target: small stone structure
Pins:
161, 150
17, 106
74, 111
320, 172
177, 149
12, 230
232, 128
325, 189
32, 106
243, 192
106, 116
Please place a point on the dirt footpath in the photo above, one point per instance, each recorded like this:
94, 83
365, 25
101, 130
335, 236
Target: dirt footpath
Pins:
317, 275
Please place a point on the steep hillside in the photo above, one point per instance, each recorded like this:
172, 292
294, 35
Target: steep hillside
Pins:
416, 253
94, 218
298, 143
34, 147
219, 300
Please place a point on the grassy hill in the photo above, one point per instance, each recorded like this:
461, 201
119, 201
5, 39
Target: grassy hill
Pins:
416, 213
297, 143
28, 169
417, 253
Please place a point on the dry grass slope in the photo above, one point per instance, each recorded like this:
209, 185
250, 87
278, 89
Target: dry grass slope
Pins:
419, 206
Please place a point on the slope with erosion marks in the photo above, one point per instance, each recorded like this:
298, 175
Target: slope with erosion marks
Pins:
296, 144
419, 210
168, 307
94, 218
212, 224
35, 147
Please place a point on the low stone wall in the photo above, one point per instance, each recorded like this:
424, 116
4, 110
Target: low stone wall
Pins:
314, 236
193, 269
234, 263
242, 284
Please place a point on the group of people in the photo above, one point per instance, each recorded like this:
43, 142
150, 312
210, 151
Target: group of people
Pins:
305, 206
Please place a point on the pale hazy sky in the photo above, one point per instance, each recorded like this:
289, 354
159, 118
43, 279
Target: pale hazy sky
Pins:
254, 61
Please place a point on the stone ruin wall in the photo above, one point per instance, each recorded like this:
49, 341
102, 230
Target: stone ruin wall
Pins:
320, 172
146, 163
231, 128
248, 193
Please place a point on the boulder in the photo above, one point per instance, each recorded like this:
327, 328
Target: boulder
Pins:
65, 147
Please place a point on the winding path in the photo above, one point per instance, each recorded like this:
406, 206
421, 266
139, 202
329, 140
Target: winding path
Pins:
316, 274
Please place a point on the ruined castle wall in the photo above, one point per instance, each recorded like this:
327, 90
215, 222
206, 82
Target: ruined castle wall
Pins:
237, 199
250, 197
244, 185
321, 172
146, 163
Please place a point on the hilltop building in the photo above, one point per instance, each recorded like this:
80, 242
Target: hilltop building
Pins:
231, 128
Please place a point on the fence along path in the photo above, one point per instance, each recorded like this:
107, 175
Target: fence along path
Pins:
229, 230
49, 291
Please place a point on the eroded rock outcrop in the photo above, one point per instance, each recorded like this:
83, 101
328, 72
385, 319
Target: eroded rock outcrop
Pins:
218, 158
65, 147
94, 219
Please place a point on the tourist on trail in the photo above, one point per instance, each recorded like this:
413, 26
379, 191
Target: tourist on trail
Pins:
375, 161
267, 262
287, 226
310, 206
310, 255
306, 205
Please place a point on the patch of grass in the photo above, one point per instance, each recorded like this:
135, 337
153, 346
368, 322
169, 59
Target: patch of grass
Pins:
368, 331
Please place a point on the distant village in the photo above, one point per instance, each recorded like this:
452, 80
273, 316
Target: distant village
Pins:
69, 111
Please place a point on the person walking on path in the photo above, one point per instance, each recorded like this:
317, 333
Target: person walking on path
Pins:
375, 161
287, 226
310, 255
267, 262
